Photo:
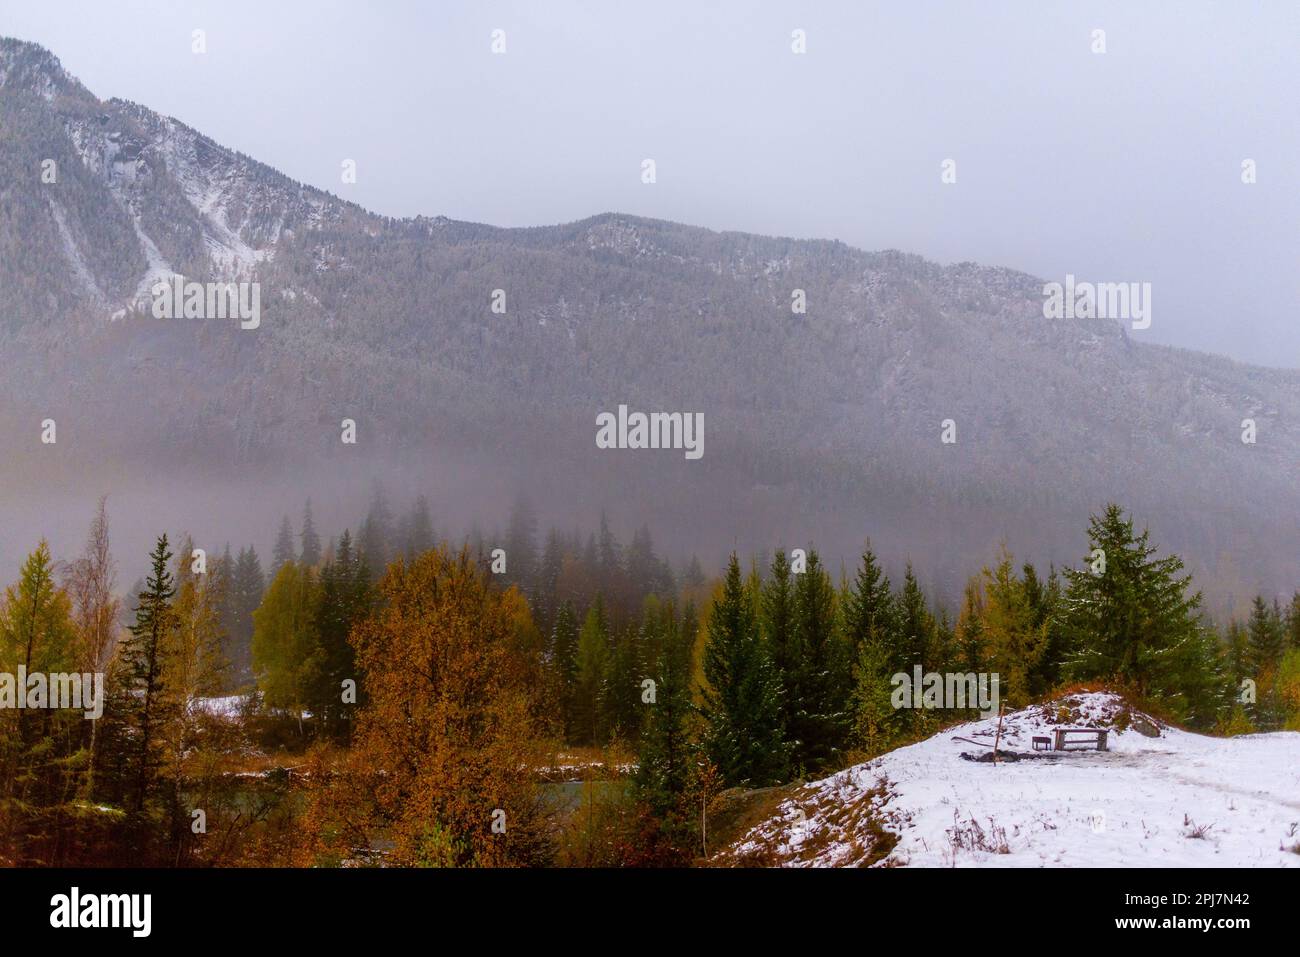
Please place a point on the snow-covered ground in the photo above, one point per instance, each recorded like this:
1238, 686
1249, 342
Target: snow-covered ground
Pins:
1175, 799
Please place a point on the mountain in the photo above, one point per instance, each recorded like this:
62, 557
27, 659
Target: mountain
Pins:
824, 426
1157, 797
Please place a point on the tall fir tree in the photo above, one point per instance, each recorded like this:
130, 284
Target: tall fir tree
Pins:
284, 551
144, 663
778, 626
309, 554
344, 600
666, 757
521, 547
868, 604
1132, 616
818, 708
419, 529
913, 625
376, 536
564, 664
744, 736
590, 693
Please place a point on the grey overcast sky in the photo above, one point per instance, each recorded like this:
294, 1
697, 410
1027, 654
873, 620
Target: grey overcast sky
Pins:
1122, 166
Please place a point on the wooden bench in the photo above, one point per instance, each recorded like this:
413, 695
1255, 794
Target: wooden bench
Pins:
1097, 740
1042, 743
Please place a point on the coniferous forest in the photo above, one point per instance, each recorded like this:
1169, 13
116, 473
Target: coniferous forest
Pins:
385, 695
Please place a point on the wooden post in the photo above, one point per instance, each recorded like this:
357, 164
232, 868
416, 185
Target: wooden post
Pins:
998, 736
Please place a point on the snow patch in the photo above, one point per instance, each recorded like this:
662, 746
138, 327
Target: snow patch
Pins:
1173, 799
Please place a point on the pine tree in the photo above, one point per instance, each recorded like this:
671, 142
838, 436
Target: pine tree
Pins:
778, 625
564, 662
969, 634
590, 693
1267, 639
284, 551
377, 532
1044, 598
868, 605
419, 529
143, 657
1135, 619
1266, 645
694, 576
742, 703
310, 554
818, 708
1236, 649
247, 585
626, 670
548, 580
521, 547
344, 600
666, 758
913, 626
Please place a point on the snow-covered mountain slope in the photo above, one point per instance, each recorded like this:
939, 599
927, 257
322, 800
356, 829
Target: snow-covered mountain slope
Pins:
1174, 799
830, 420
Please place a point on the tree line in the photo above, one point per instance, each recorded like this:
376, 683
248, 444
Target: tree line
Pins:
418, 698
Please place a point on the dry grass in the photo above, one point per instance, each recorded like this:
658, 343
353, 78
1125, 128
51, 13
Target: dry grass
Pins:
840, 826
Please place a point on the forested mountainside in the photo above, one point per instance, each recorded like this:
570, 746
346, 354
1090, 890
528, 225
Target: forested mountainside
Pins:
819, 425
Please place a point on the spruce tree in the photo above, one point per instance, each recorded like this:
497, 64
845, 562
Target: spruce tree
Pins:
1044, 598
1132, 617
144, 666
623, 685
1266, 644
247, 586
818, 708
1267, 639
284, 551
419, 529
377, 533
344, 600
778, 626
868, 604
564, 662
310, 554
521, 548
666, 757
742, 703
593, 664
913, 626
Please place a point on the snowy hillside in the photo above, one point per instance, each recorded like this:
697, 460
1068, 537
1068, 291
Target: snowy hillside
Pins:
1158, 797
